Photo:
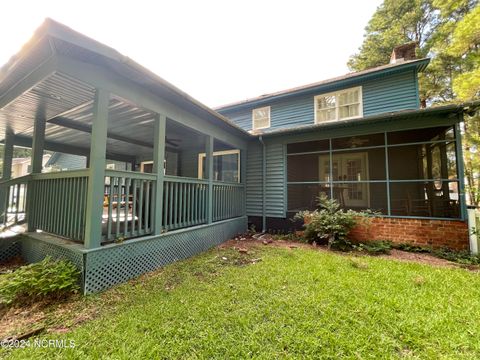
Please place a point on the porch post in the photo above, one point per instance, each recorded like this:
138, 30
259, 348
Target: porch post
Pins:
460, 169
96, 179
243, 178
209, 171
6, 171
158, 161
38, 142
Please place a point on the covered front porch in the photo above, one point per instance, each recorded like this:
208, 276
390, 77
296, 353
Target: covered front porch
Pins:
157, 161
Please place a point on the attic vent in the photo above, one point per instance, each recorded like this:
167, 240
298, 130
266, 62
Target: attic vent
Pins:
403, 52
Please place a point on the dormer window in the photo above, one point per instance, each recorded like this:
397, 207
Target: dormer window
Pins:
261, 118
339, 105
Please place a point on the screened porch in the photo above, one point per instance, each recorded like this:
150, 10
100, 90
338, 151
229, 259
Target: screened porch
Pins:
408, 173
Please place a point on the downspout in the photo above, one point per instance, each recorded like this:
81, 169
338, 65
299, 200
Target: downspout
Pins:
264, 184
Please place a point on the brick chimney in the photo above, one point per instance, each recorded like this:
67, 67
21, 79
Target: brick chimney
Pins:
403, 53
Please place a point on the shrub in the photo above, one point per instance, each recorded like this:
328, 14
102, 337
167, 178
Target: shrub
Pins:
376, 247
412, 248
461, 257
331, 224
39, 280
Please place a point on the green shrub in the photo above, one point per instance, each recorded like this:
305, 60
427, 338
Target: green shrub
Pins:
331, 224
376, 247
461, 257
411, 248
39, 280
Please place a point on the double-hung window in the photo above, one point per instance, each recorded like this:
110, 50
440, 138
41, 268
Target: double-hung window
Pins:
261, 118
340, 105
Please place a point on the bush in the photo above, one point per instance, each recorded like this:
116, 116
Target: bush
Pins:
461, 257
412, 248
331, 224
376, 247
39, 280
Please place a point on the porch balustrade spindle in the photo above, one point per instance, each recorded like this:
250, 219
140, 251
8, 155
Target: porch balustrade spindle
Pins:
129, 205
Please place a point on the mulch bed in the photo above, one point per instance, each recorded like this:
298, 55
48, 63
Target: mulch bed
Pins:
249, 242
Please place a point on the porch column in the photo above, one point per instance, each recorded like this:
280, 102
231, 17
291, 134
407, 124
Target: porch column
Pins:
209, 171
96, 179
38, 143
158, 160
460, 169
6, 171
243, 178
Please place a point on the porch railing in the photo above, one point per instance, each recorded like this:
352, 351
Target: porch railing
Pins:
129, 206
57, 203
184, 202
15, 200
228, 200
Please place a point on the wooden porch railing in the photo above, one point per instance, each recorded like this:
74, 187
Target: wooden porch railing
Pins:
57, 203
184, 202
15, 200
128, 204
228, 200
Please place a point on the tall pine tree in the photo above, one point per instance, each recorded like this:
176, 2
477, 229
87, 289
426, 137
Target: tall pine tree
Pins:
447, 31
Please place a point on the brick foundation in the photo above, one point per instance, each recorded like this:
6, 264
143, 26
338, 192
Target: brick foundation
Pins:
421, 232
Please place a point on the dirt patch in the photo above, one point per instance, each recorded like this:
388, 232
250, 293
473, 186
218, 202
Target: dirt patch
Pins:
48, 315
249, 242
255, 241
11, 264
422, 258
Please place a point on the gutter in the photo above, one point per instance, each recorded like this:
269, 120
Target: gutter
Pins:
467, 107
264, 183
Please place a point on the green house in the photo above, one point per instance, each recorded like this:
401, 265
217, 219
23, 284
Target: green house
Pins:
166, 177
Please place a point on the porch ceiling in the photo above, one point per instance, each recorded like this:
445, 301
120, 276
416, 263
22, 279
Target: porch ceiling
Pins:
67, 105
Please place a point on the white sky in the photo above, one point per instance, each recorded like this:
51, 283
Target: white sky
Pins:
216, 51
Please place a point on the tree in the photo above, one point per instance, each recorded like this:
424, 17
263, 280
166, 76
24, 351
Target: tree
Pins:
395, 22
459, 40
447, 31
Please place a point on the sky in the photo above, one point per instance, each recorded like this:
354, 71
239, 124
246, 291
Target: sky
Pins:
216, 51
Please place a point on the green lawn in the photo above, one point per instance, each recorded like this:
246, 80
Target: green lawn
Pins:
293, 303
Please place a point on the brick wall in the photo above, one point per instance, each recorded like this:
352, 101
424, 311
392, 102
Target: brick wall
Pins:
421, 232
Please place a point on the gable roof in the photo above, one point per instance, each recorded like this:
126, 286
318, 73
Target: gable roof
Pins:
379, 71
55, 38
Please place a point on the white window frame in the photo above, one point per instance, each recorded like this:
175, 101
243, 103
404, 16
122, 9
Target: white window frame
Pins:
337, 106
202, 156
253, 118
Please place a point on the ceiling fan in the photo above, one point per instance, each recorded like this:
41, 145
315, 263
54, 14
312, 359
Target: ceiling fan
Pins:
356, 142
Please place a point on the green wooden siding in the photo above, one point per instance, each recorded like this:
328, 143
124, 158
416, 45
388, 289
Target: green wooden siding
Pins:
254, 179
275, 182
393, 93
389, 93
275, 191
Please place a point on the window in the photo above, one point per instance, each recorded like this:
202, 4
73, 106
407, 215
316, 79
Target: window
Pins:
226, 166
340, 105
261, 118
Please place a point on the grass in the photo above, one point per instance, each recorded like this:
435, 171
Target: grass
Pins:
293, 303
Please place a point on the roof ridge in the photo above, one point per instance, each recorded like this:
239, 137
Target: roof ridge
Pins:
346, 76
